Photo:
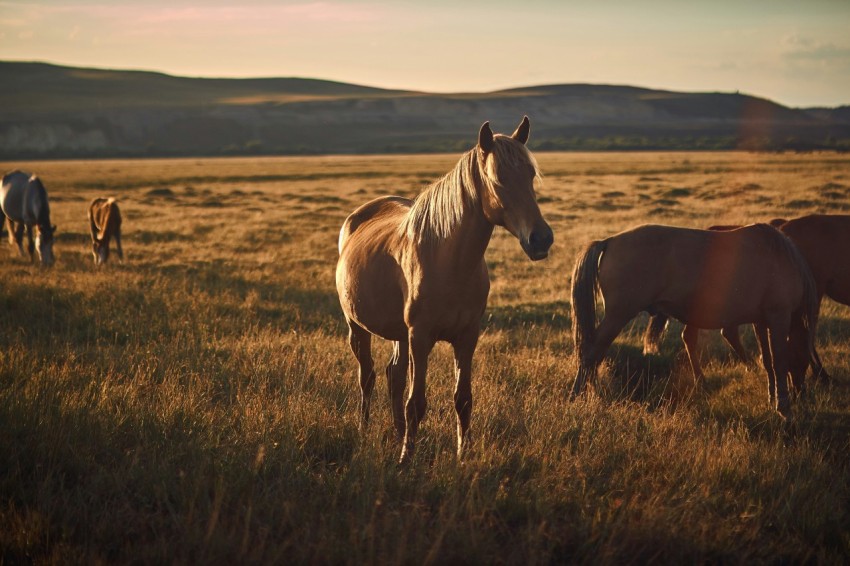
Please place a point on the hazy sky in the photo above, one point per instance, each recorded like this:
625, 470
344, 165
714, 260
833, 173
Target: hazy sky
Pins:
795, 52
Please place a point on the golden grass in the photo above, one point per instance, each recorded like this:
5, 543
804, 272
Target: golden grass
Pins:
199, 403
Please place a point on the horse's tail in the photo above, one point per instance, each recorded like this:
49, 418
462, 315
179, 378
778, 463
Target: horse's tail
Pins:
653, 334
584, 288
344, 233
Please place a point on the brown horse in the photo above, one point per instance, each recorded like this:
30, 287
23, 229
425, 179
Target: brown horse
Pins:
413, 271
818, 237
105, 223
705, 279
658, 322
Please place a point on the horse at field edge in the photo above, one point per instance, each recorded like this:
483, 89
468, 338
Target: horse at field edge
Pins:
105, 223
413, 272
706, 279
23, 200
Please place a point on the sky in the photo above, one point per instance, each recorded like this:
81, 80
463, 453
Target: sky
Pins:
795, 52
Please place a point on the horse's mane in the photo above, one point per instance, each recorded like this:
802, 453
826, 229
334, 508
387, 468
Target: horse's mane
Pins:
437, 210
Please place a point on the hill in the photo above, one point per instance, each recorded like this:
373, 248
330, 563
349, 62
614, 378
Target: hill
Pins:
55, 111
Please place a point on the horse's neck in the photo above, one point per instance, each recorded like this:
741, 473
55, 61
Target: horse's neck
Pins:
469, 240
37, 207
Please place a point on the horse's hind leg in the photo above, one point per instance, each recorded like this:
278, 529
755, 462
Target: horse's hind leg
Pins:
16, 235
733, 338
593, 353
396, 380
10, 226
360, 341
118, 249
690, 336
464, 348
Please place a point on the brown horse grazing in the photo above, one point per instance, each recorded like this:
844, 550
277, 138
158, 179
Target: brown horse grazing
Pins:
105, 221
413, 271
658, 322
705, 279
23, 200
818, 238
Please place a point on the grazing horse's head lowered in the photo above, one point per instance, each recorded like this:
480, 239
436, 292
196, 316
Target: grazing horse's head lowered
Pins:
44, 243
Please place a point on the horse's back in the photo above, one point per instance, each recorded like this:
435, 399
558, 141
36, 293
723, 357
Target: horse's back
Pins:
706, 277
384, 212
12, 194
105, 214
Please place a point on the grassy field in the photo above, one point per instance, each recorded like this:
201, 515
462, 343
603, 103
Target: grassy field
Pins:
198, 403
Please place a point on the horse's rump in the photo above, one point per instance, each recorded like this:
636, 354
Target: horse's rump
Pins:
23, 199
106, 217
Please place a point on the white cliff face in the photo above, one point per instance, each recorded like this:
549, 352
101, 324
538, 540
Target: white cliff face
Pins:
45, 138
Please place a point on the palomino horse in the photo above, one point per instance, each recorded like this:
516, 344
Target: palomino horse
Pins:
105, 221
705, 279
24, 203
413, 271
818, 237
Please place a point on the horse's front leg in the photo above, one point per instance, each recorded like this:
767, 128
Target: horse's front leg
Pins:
778, 335
464, 348
396, 379
30, 243
766, 360
414, 410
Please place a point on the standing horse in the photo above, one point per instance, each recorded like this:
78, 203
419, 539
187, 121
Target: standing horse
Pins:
23, 200
705, 279
105, 222
824, 241
413, 271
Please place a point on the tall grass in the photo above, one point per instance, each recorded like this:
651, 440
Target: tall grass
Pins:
199, 403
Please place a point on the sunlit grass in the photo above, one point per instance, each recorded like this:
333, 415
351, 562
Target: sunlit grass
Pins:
198, 403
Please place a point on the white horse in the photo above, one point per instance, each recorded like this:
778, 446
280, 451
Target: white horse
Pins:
23, 200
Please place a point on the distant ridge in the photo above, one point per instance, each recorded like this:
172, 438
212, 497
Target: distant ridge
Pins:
55, 111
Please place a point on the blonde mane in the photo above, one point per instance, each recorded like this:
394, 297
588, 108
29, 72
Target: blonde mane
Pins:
438, 209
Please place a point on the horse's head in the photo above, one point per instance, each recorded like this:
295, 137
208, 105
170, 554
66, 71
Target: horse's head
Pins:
44, 244
100, 251
509, 171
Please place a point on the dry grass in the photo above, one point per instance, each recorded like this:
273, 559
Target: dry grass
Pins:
198, 403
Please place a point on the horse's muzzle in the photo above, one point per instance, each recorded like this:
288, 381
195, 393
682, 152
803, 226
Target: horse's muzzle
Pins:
538, 243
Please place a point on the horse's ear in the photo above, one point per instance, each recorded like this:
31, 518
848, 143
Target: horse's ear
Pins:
485, 138
521, 133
